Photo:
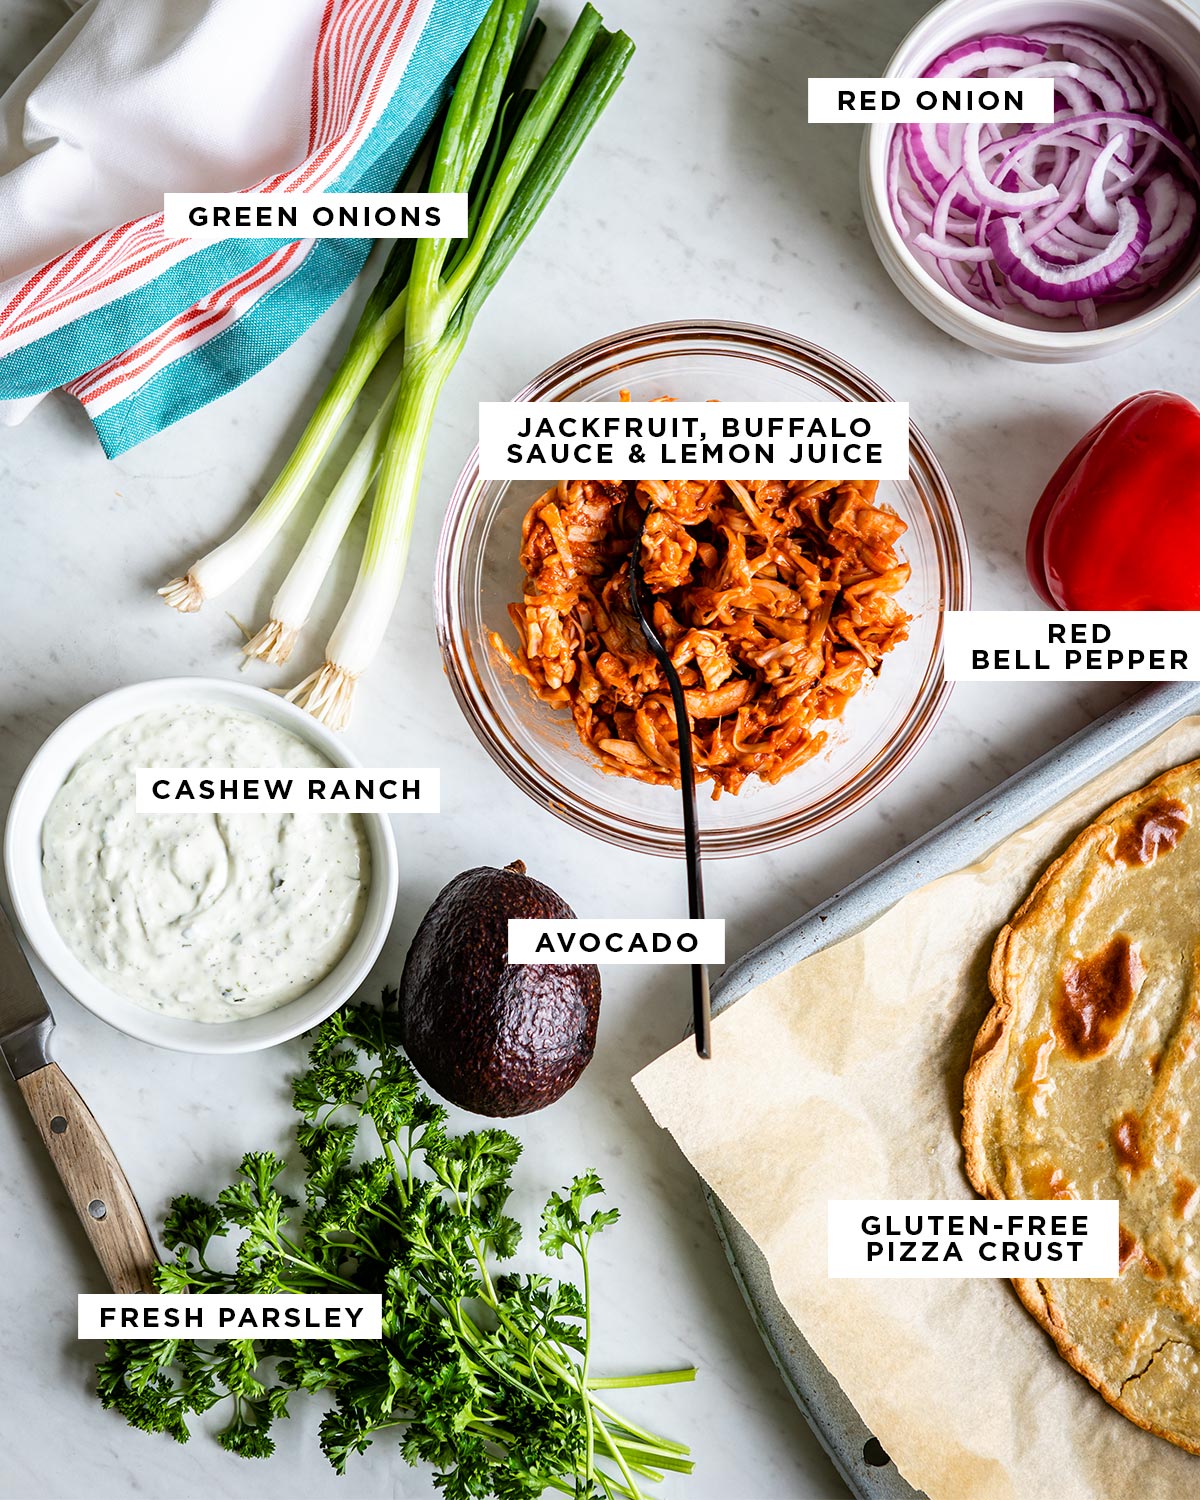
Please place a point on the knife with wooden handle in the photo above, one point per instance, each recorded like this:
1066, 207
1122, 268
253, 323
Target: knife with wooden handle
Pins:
91, 1174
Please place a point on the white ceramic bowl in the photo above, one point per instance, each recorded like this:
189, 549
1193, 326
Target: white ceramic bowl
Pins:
51, 766
1172, 29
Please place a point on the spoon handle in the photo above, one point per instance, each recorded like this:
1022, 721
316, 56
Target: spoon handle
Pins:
701, 1004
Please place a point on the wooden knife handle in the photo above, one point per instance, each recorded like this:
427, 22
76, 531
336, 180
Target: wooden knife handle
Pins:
93, 1178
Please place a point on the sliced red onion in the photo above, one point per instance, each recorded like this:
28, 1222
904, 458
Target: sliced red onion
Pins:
1082, 44
1042, 305
1086, 154
916, 153
909, 203
1163, 198
1154, 80
1112, 118
1025, 267
950, 249
1099, 206
1165, 248
1176, 232
940, 225
997, 292
1147, 78
1079, 234
927, 179
1071, 196
1075, 81
1061, 255
956, 281
1063, 252
935, 160
1050, 164
895, 192
1060, 166
986, 190
1103, 212
996, 51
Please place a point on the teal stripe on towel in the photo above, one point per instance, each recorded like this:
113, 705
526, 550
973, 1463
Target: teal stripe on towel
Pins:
278, 318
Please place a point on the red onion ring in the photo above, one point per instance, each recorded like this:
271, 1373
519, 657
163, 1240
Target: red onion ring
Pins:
1024, 267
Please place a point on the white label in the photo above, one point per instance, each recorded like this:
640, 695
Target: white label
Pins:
951, 101
912, 1238
230, 1315
260, 789
1021, 645
325, 216
617, 940
549, 440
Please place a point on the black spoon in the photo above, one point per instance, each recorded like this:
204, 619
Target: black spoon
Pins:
640, 599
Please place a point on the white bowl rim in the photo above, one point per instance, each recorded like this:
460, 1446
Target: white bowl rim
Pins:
1016, 335
22, 867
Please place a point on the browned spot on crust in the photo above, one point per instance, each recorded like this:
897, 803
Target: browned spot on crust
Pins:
1094, 998
1187, 1195
1045, 1180
1153, 831
1127, 1144
1129, 1249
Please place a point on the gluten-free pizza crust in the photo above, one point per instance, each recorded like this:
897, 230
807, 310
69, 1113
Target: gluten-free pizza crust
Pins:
1085, 1083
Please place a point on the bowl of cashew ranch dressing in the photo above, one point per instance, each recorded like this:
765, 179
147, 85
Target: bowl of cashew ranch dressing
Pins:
199, 930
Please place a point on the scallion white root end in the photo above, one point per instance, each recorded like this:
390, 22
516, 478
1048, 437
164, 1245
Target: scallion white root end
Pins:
273, 643
184, 594
327, 694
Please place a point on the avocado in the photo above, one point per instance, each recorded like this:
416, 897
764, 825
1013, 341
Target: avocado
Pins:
496, 1038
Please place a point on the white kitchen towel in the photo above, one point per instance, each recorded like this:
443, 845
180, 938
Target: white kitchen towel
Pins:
134, 98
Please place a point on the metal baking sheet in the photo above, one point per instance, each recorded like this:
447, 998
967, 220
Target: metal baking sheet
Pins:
961, 840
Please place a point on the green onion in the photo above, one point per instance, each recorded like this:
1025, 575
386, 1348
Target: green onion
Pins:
441, 311
298, 592
224, 565
508, 147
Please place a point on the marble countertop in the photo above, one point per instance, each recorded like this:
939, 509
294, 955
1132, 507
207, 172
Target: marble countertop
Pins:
703, 194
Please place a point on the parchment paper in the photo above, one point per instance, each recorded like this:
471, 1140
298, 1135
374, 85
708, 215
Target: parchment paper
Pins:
842, 1078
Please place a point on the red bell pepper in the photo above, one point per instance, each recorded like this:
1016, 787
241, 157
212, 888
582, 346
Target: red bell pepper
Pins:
1118, 526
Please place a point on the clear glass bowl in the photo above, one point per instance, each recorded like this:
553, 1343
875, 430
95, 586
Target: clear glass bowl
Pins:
479, 574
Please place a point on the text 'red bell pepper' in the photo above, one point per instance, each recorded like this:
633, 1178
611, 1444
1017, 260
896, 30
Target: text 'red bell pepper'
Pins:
1118, 526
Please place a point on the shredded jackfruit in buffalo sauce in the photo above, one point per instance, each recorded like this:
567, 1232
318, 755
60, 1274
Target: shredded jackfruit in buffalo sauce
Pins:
776, 600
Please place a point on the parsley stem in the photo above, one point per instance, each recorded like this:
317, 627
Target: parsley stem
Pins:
663, 1452
587, 1354
402, 1188
633, 1382
632, 1429
621, 1464
318, 1271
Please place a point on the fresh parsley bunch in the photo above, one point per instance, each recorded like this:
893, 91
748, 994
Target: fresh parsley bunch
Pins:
484, 1376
